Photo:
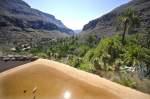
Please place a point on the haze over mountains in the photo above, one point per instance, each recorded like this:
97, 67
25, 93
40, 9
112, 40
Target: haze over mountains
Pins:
20, 22
106, 25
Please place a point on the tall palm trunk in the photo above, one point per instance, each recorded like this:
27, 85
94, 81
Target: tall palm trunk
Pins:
124, 32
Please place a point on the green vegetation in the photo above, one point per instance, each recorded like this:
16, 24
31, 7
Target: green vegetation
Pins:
125, 64
108, 58
128, 20
125, 60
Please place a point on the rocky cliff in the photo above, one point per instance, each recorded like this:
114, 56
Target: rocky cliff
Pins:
106, 25
18, 21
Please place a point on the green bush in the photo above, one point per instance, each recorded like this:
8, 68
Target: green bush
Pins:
87, 67
42, 55
127, 81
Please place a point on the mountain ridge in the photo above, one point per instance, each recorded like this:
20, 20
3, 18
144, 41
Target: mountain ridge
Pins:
18, 9
107, 23
21, 23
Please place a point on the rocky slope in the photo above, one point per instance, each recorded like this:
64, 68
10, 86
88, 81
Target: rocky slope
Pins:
106, 25
20, 22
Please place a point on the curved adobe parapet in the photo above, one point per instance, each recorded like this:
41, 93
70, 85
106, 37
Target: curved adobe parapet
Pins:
45, 79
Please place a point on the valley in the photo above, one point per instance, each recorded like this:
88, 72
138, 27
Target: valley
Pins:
115, 46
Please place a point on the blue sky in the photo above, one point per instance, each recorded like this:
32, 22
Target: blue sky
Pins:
76, 13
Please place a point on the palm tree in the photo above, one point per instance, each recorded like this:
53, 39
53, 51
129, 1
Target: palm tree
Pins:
128, 20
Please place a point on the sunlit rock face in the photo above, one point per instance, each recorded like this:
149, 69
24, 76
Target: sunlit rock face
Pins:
51, 80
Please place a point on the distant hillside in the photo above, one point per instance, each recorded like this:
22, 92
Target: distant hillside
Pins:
106, 25
20, 22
